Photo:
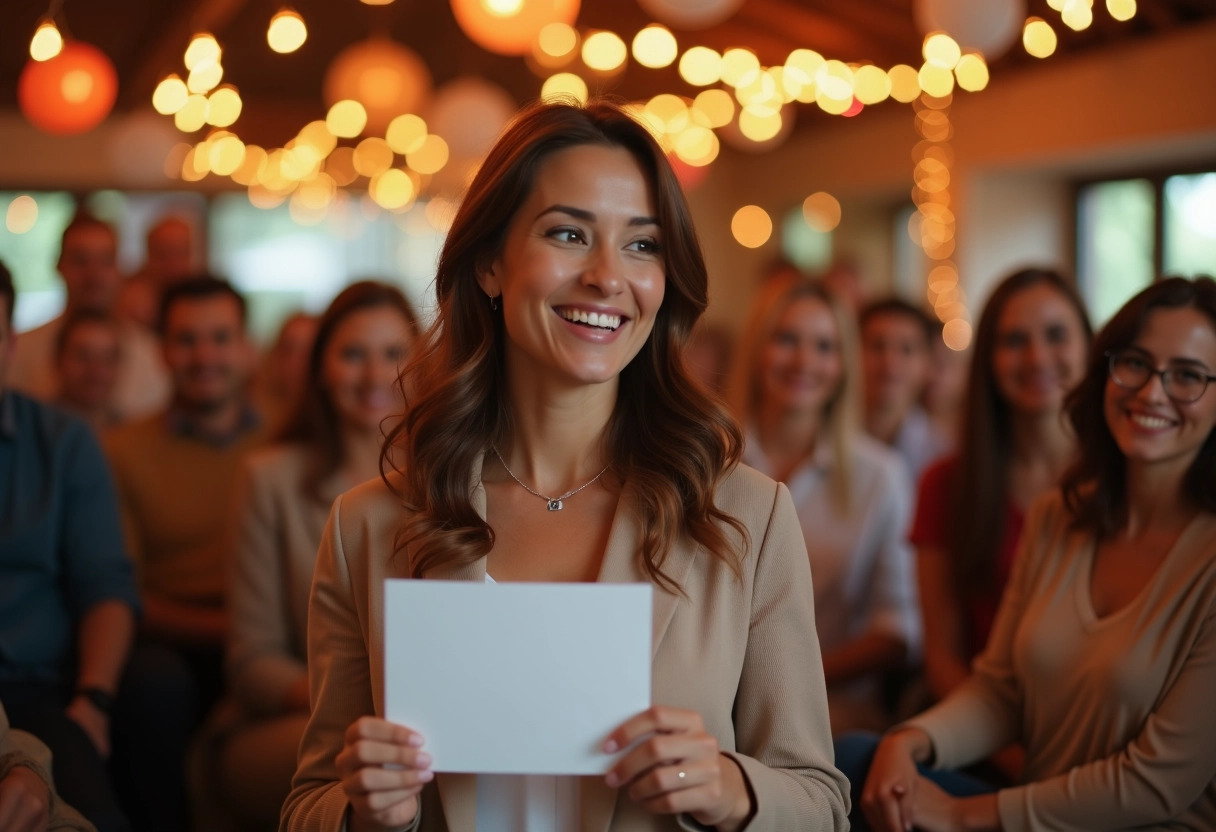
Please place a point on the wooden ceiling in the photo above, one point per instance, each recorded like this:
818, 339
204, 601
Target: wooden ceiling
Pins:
146, 39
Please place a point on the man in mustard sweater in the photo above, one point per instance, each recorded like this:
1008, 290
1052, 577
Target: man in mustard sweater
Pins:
176, 472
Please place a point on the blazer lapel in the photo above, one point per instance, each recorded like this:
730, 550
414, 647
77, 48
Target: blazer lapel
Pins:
623, 564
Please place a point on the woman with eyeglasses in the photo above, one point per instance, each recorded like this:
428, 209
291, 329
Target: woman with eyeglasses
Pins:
1102, 661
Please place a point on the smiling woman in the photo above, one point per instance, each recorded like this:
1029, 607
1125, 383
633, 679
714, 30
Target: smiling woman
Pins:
567, 288
1100, 662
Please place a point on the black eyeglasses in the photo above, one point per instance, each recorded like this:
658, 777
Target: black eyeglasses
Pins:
1130, 368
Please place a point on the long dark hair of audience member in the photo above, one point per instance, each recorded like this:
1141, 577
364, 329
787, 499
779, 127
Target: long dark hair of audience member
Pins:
315, 422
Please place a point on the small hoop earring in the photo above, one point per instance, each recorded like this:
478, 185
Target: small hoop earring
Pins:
493, 303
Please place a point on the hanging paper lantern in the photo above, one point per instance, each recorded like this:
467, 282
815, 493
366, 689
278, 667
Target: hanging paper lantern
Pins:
510, 27
70, 93
691, 14
991, 26
382, 75
469, 113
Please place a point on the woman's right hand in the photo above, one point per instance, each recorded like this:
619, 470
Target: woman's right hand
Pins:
887, 796
383, 769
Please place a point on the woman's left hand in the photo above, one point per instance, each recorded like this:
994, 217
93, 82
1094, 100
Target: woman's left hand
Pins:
934, 810
677, 768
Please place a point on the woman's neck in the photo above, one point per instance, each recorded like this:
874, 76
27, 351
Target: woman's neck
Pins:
1156, 500
557, 434
360, 454
786, 438
1042, 440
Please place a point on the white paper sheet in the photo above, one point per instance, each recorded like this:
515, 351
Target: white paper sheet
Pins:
516, 678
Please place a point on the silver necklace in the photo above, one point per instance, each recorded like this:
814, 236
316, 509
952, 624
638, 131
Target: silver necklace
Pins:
551, 503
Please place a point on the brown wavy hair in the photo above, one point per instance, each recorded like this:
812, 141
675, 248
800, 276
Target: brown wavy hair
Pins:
315, 423
1095, 487
667, 437
979, 489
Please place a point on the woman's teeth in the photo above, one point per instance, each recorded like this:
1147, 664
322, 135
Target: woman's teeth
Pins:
1151, 422
595, 319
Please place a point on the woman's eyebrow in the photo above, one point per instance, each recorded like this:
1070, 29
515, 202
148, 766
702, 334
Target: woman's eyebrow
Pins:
588, 216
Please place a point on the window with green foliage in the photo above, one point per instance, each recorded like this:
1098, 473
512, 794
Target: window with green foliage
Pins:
1129, 231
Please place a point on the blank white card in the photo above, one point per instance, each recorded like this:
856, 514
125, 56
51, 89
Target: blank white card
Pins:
516, 678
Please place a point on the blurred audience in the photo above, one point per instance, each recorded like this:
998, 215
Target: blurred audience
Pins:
845, 280
169, 258
1029, 352
942, 399
331, 444
88, 354
67, 619
283, 372
88, 264
896, 349
1101, 659
796, 388
176, 471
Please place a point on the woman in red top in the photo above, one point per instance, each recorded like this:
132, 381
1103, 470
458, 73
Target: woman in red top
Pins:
1029, 353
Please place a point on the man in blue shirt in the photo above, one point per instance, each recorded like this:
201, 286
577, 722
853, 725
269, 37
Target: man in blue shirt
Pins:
68, 601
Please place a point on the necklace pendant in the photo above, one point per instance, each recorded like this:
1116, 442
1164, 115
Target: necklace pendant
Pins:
555, 505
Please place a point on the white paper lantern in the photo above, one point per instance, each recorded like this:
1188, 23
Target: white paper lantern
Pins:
510, 28
470, 113
991, 26
382, 75
691, 14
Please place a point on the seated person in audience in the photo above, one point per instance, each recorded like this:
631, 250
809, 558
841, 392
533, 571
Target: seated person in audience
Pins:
1102, 662
283, 373
708, 355
176, 472
796, 390
28, 801
88, 354
946, 385
89, 267
331, 444
67, 594
896, 350
1029, 352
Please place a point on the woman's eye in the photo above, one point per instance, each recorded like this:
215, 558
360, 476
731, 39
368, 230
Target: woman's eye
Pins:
566, 235
648, 245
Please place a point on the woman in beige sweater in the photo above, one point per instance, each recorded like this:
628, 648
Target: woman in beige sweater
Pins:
331, 444
1102, 662
557, 436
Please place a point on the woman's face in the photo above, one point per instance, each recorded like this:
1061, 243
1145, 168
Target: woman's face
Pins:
1149, 426
360, 365
581, 273
801, 367
1039, 355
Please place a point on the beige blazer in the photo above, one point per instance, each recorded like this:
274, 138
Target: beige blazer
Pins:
743, 653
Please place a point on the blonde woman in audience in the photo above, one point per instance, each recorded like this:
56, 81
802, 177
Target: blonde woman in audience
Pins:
1102, 662
796, 387
331, 444
567, 288
1029, 352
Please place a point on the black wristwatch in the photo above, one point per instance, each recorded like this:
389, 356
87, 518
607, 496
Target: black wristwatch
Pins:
101, 699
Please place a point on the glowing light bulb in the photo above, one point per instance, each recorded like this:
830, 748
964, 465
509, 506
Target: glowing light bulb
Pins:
751, 226
701, 66
1038, 38
1078, 14
564, 85
170, 95
604, 51
286, 32
655, 47
971, 72
46, 42
1121, 9
346, 119
940, 50
203, 50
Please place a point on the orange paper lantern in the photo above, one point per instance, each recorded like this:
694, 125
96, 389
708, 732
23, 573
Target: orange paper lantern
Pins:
70, 93
509, 27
